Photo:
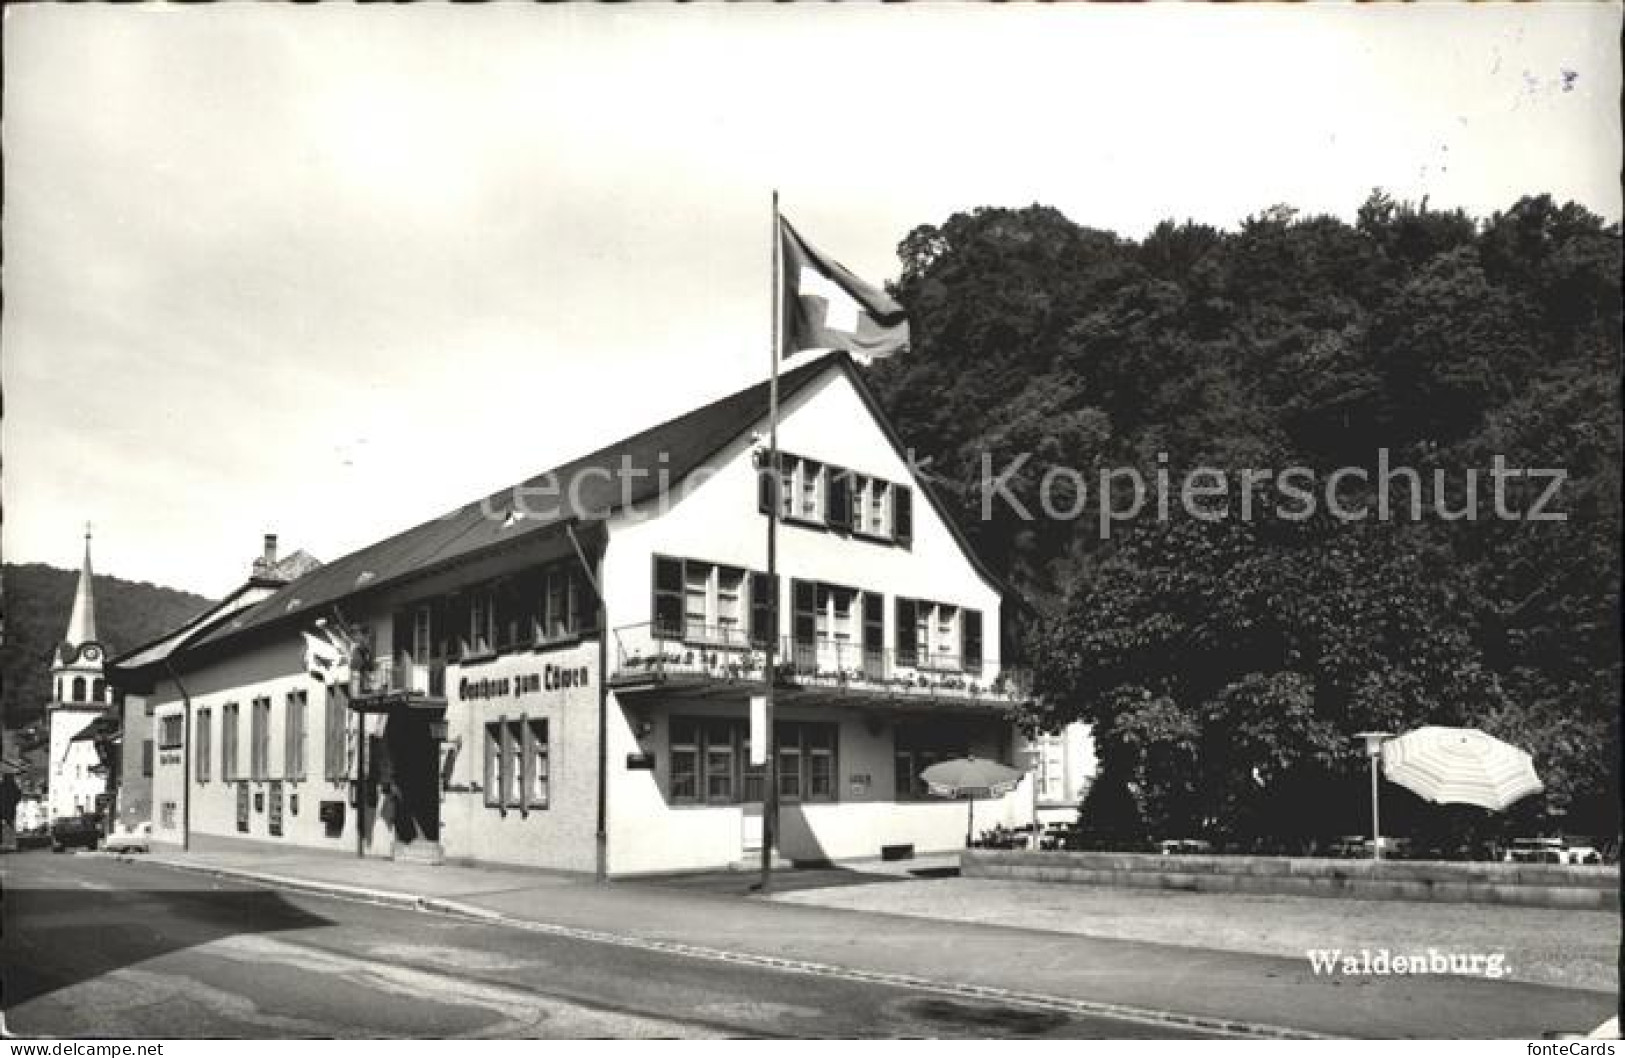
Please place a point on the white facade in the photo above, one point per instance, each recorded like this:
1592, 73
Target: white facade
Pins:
1063, 765
32, 814
76, 778
892, 648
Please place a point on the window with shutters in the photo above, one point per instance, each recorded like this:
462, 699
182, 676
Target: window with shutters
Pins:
705, 602
932, 635
763, 611
834, 614
294, 736
537, 772
146, 758
228, 742
971, 637
872, 508
823, 495
204, 737
335, 760
667, 610
518, 764
513, 772
259, 746
171, 731
494, 757
805, 495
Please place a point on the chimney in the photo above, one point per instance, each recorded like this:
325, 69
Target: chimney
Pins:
265, 565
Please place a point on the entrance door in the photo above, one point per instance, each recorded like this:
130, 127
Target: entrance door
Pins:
413, 786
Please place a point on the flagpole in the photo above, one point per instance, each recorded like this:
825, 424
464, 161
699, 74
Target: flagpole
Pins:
770, 791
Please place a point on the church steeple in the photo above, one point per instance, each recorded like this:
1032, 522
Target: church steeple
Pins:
82, 622
77, 675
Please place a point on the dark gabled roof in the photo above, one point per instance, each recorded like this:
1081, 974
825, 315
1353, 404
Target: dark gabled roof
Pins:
132, 671
628, 471
639, 464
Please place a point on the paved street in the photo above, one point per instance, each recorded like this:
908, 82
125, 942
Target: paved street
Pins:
98, 947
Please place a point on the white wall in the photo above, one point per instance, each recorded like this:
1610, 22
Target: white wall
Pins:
649, 834
714, 517
272, 670
563, 835
73, 785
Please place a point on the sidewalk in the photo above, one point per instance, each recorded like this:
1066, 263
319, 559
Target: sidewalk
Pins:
1249, 993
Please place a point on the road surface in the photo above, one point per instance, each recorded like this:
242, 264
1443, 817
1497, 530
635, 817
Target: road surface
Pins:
98, 947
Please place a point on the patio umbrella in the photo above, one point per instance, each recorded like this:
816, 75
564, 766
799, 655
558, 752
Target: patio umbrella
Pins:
971, 777
1460, 765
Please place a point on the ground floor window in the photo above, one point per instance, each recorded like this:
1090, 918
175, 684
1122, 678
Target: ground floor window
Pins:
205, 738
518, 766
920, 745
335, 754
710, 761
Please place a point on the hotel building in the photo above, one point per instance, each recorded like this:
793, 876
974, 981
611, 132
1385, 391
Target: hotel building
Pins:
559, 675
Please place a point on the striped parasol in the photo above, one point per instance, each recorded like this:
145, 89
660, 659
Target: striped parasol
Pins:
1460, 765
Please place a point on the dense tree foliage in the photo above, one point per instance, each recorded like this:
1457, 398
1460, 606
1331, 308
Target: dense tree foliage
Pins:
1226, 652
38, 599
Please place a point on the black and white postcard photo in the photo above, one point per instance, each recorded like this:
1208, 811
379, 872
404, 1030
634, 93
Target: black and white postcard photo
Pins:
628, 523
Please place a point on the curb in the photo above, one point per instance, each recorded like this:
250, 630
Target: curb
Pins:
458, 909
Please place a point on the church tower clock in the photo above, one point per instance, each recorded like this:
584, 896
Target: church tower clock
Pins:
79, 694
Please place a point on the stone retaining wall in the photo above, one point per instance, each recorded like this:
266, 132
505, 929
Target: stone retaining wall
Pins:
1528, 885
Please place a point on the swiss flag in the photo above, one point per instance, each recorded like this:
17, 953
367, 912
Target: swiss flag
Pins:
827, 307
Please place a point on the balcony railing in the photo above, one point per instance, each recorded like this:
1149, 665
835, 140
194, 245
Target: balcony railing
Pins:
399, 675
650, 654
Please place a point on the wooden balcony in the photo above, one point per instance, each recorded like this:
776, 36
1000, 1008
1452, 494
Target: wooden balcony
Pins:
646, 658
391, 683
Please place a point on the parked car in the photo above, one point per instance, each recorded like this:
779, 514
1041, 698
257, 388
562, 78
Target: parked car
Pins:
1184, 847
36, 838
1061, 836
75, 832
136, 839
1552, 850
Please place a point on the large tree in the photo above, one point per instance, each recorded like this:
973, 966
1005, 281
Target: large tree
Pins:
1226, 661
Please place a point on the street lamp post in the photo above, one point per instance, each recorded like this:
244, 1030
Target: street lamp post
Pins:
1373, 751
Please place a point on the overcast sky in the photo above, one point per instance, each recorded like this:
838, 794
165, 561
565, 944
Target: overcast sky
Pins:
329, 272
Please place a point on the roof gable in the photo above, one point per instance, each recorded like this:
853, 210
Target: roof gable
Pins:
628, 471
